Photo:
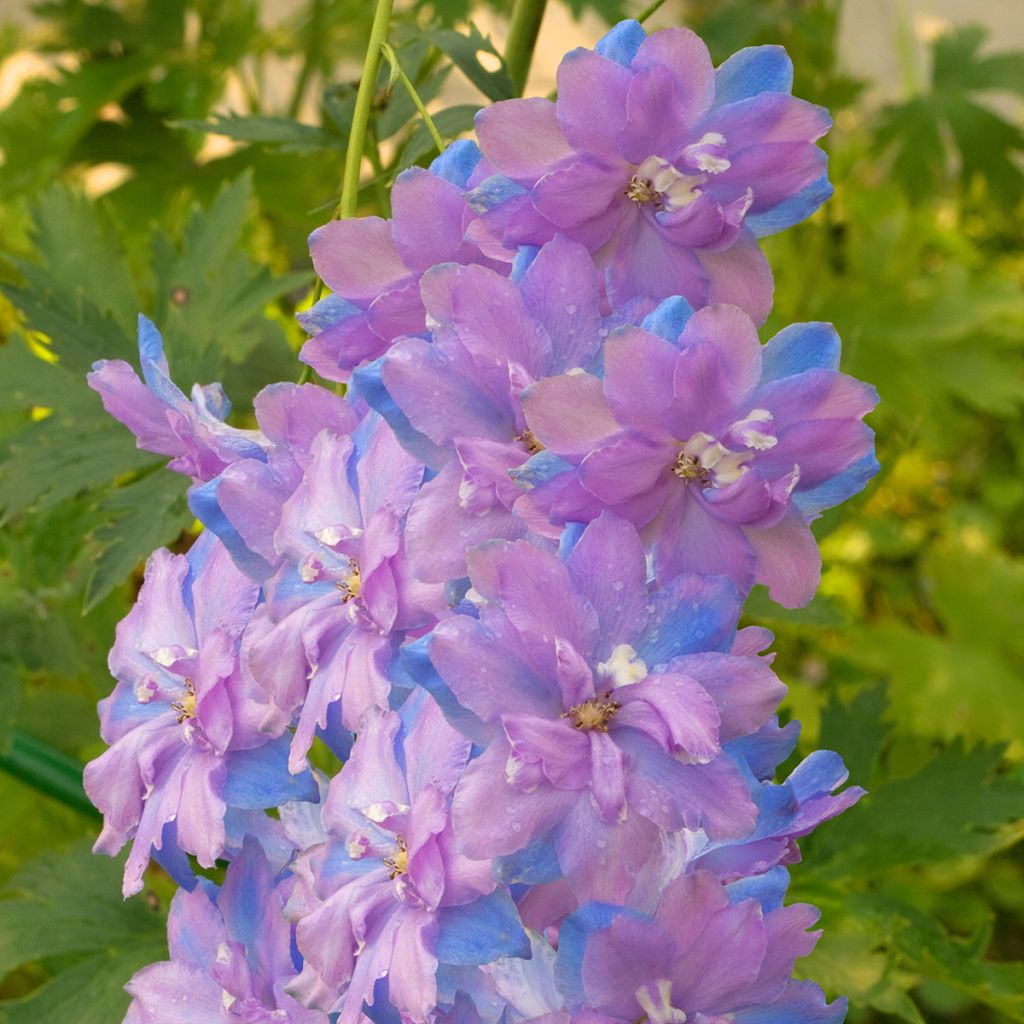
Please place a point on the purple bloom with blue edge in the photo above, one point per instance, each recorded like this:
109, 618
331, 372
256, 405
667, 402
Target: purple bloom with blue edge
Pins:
231, 954
663, 166
706, 954
373, 267
164, 420
455, 399
338, 609
720, 449
242, 504
603, 703
388, 896
183, 728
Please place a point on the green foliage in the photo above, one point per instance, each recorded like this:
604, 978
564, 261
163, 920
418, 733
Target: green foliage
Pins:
909, 660
67, 908
982, 144
208, 297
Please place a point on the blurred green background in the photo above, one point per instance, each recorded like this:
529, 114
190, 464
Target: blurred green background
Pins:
171, 156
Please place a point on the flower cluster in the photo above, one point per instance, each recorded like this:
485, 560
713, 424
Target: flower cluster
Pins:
500, 578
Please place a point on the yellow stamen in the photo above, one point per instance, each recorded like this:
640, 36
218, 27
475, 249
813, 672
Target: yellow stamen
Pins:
398, 862
593, 714
528, 439
350, 585
186, 707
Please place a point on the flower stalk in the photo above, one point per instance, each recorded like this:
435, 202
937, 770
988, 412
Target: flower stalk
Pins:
361, 116
523, 30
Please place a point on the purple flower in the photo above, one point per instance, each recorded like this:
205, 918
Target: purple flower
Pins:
242, 503
338, 609
721, 450
664, 167
184, 730
706, 954
388, 896
455, 399
231, 955
603, 703
164, 420
373, 267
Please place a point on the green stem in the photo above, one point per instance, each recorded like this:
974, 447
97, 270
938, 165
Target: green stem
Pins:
316, 17
399, 72
649, 10
361, 115
523, 30
48, 770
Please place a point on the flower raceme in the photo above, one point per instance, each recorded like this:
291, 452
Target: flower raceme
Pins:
501, 579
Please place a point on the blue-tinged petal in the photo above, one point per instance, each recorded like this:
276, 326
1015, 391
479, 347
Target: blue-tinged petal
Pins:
837, 489
154, 365
492, 192
457, 162
539, 468
260, 778
381, 1011
203, 501
622, 42
415, 660
668, 318
791, 211
339, 740
535, 864
768, 889
328, 311
753, 70
800, 347
767, 748
801, 1003
368, 383
481, 931
525, 255
820, 772
173, 859
569, 539
573, 937
243, 897
692, 613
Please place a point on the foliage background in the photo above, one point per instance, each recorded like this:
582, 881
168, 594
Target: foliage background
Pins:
908, 663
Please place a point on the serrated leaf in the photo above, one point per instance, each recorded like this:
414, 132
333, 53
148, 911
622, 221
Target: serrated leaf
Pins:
464, 52
68, 905
949, 808
980, 142
283, 133
856, 731
137, 518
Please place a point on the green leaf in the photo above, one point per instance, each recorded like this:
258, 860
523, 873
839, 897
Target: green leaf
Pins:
464, 52
210, 303
856, 731
282, 133
982, 144
138, 517
949, 808
68, 107
68, 906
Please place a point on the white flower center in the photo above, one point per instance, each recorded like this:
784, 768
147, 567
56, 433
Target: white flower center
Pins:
705, 459
662, 185
623, 667
655, 999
